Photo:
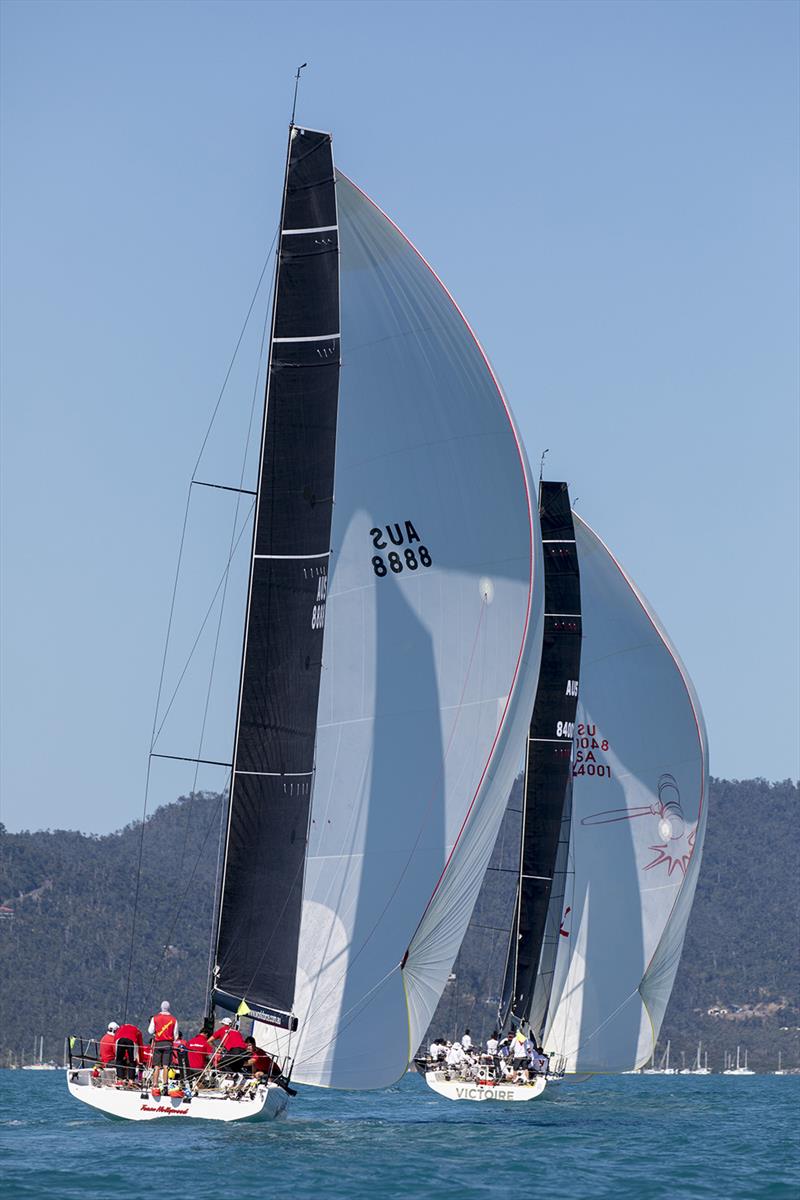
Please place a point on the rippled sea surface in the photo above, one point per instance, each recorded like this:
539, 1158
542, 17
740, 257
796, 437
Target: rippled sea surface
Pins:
627, 1136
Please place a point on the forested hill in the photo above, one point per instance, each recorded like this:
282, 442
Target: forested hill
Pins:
67, 902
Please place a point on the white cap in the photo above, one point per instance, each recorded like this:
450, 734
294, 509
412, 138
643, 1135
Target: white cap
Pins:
112, 1025
165, 1005
227, 1020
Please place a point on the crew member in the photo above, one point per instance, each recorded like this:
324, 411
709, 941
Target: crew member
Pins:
232, 1046
228, 1037
492, 1044
466, 1041
200, 1051
180, 1055
259, 1061
518, 1050
128, 1053
108, 1043
540, 1063
455, 1055
164, 1028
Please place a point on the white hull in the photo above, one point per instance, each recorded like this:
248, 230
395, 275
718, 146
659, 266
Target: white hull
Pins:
738, 1071
463, 1089
268, 1102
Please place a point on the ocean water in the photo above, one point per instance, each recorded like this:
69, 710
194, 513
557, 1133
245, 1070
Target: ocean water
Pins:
626, 1136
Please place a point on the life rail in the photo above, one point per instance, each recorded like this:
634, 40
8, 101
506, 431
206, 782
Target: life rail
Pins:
84, 1052
486, 1069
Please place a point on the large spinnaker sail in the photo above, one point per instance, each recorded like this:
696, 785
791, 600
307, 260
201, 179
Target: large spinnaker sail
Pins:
548, 767
276, 725
638, 822
432, 640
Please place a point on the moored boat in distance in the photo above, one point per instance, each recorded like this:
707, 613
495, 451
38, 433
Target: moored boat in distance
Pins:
663, 1067
741, 1068
38, 1064
700, 1066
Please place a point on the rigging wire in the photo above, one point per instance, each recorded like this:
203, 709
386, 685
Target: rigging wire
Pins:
231, 546
155, 734
214, 817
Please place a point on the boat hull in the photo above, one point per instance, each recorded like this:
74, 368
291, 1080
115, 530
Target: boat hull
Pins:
267, 1103
462, 1089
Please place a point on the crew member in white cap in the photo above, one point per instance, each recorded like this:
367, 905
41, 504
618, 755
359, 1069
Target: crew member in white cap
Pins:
108, 1044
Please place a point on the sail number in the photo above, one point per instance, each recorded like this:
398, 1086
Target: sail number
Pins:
586, 742
565, 729
410, 555
318, 611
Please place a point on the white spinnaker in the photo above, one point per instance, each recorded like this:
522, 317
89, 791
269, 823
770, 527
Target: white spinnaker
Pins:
429, 672
638, 822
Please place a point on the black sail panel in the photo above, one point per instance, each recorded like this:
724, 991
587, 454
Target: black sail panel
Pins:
259, 924
548, 763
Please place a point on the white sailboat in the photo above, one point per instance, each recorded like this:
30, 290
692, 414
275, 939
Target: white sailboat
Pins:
390, 661
780, 1070
632, 825
741, 1068
38, 1064
663, 1067
540, 871
700, 1066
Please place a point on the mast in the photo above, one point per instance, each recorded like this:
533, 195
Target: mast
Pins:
548, 772
273, 761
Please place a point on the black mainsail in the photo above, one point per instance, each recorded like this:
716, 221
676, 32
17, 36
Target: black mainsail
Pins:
548, 769
271, 784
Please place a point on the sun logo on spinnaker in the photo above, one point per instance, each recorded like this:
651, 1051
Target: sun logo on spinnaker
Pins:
674, 849
677, 840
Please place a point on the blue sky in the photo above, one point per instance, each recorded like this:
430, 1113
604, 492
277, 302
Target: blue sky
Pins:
609, 190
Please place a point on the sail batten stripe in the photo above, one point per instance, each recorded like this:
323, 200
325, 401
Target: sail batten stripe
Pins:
318, 337
293, 557
312, 229
277, 774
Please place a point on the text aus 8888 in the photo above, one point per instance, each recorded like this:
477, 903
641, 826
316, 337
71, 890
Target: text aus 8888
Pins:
410, 555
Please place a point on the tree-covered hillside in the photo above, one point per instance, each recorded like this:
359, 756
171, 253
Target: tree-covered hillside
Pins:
65, 939
66, 948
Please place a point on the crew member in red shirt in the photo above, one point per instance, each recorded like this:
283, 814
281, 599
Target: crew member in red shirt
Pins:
164, 1029
108, 1043
259, 1061
129, 1045
200, 1051
233, 1049
228, 1037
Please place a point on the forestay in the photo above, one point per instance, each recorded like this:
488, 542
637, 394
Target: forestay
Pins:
431, 649
638, 821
